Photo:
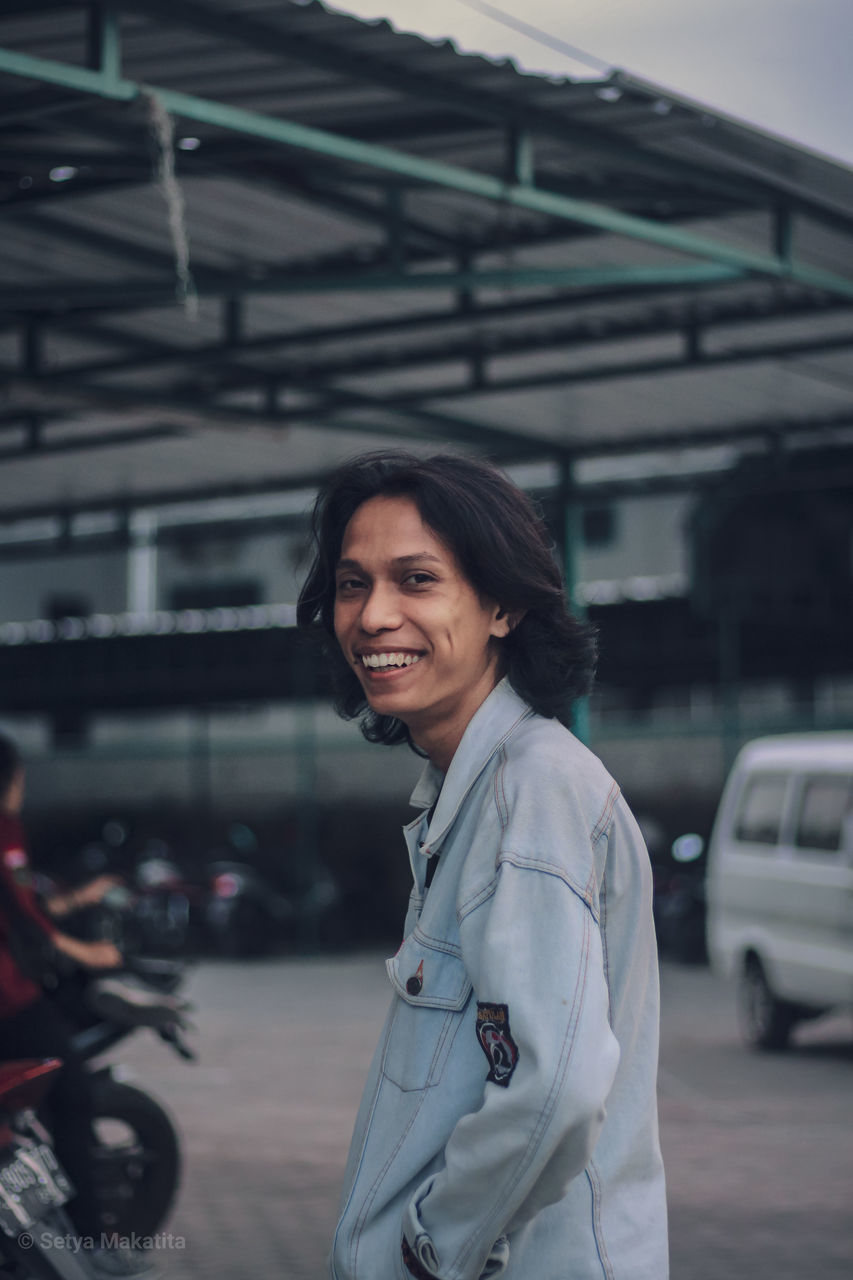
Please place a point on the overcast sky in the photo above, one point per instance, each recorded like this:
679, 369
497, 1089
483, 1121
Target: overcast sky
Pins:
784, 65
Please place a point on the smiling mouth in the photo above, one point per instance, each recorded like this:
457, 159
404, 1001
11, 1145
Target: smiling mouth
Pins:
386, 661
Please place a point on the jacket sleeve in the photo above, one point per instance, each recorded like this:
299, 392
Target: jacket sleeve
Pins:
533, 950
20, 899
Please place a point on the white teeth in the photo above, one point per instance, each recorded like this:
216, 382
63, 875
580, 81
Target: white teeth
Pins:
380, 660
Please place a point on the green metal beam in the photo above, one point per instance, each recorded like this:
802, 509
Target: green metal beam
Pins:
385, 159
128, 294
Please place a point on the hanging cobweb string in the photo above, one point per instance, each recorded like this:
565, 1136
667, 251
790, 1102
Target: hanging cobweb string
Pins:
164, 135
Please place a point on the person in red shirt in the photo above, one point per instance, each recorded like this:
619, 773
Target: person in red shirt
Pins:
30, 1025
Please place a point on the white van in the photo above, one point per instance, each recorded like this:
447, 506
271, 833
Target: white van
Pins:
780, 882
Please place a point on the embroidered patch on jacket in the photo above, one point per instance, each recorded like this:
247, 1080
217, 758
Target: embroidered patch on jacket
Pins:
497, 1043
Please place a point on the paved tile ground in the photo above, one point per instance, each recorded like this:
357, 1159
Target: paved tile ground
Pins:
758, 1151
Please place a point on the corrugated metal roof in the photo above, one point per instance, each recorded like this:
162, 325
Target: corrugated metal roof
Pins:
343, 304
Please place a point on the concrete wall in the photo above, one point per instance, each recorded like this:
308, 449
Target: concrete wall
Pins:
648, 541
260, 760
27, 586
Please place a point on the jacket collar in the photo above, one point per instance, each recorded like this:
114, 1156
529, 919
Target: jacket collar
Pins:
488, 729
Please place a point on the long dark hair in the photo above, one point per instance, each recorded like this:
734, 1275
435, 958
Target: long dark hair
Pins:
502, 545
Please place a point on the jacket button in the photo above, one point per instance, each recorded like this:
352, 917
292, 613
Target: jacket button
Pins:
414, 985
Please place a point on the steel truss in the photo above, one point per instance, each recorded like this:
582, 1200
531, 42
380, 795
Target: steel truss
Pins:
694, 286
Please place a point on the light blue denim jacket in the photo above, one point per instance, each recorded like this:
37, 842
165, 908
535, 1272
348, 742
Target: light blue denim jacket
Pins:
509, 1122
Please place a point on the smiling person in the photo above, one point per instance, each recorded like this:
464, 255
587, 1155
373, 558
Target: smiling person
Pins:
509, 1121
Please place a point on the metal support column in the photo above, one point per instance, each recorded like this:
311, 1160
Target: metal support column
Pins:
142, 562
571, 522
728, 639
307, 843
103, 39
396, 237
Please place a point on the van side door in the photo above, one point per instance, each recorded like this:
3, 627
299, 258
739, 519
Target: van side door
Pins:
748, 893
820, 870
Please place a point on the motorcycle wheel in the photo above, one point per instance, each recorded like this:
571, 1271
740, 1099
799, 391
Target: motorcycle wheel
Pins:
136, 1157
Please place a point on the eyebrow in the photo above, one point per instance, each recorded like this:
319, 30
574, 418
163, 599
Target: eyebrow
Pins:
402, 561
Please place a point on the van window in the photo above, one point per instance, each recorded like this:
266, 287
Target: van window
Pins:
825, 802
760, 811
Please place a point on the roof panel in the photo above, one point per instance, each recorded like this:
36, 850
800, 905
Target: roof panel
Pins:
319, 273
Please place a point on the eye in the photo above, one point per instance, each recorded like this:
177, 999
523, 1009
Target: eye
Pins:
346, 586
418, 579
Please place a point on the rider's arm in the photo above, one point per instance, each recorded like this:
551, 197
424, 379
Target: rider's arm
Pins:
85, 895
14, 869
92, 955
62, 904
24, 904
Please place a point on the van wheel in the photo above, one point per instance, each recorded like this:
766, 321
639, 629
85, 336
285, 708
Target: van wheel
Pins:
765, 1021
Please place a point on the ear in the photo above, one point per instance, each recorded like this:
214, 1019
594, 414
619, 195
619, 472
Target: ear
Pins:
503, 621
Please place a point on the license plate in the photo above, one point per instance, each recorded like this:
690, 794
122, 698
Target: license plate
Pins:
31, 1184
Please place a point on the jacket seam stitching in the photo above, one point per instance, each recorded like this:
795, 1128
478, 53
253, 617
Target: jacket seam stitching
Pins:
606, 814
529, 864
550, 1102
597, 1229
482, 895
374, 1190
525, 862
500, 791
436, 944
476, 772
602, 925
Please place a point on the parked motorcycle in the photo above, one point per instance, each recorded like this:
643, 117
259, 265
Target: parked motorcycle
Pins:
33, 1186
245, 915
168, 905
136, 1155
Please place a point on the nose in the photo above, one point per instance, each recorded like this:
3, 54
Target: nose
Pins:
381, 610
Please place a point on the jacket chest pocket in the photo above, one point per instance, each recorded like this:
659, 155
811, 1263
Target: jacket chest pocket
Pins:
433, 988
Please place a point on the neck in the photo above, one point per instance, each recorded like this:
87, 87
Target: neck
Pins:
440, 750
441, 737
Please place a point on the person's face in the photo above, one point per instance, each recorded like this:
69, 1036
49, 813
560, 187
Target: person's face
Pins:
416, 633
